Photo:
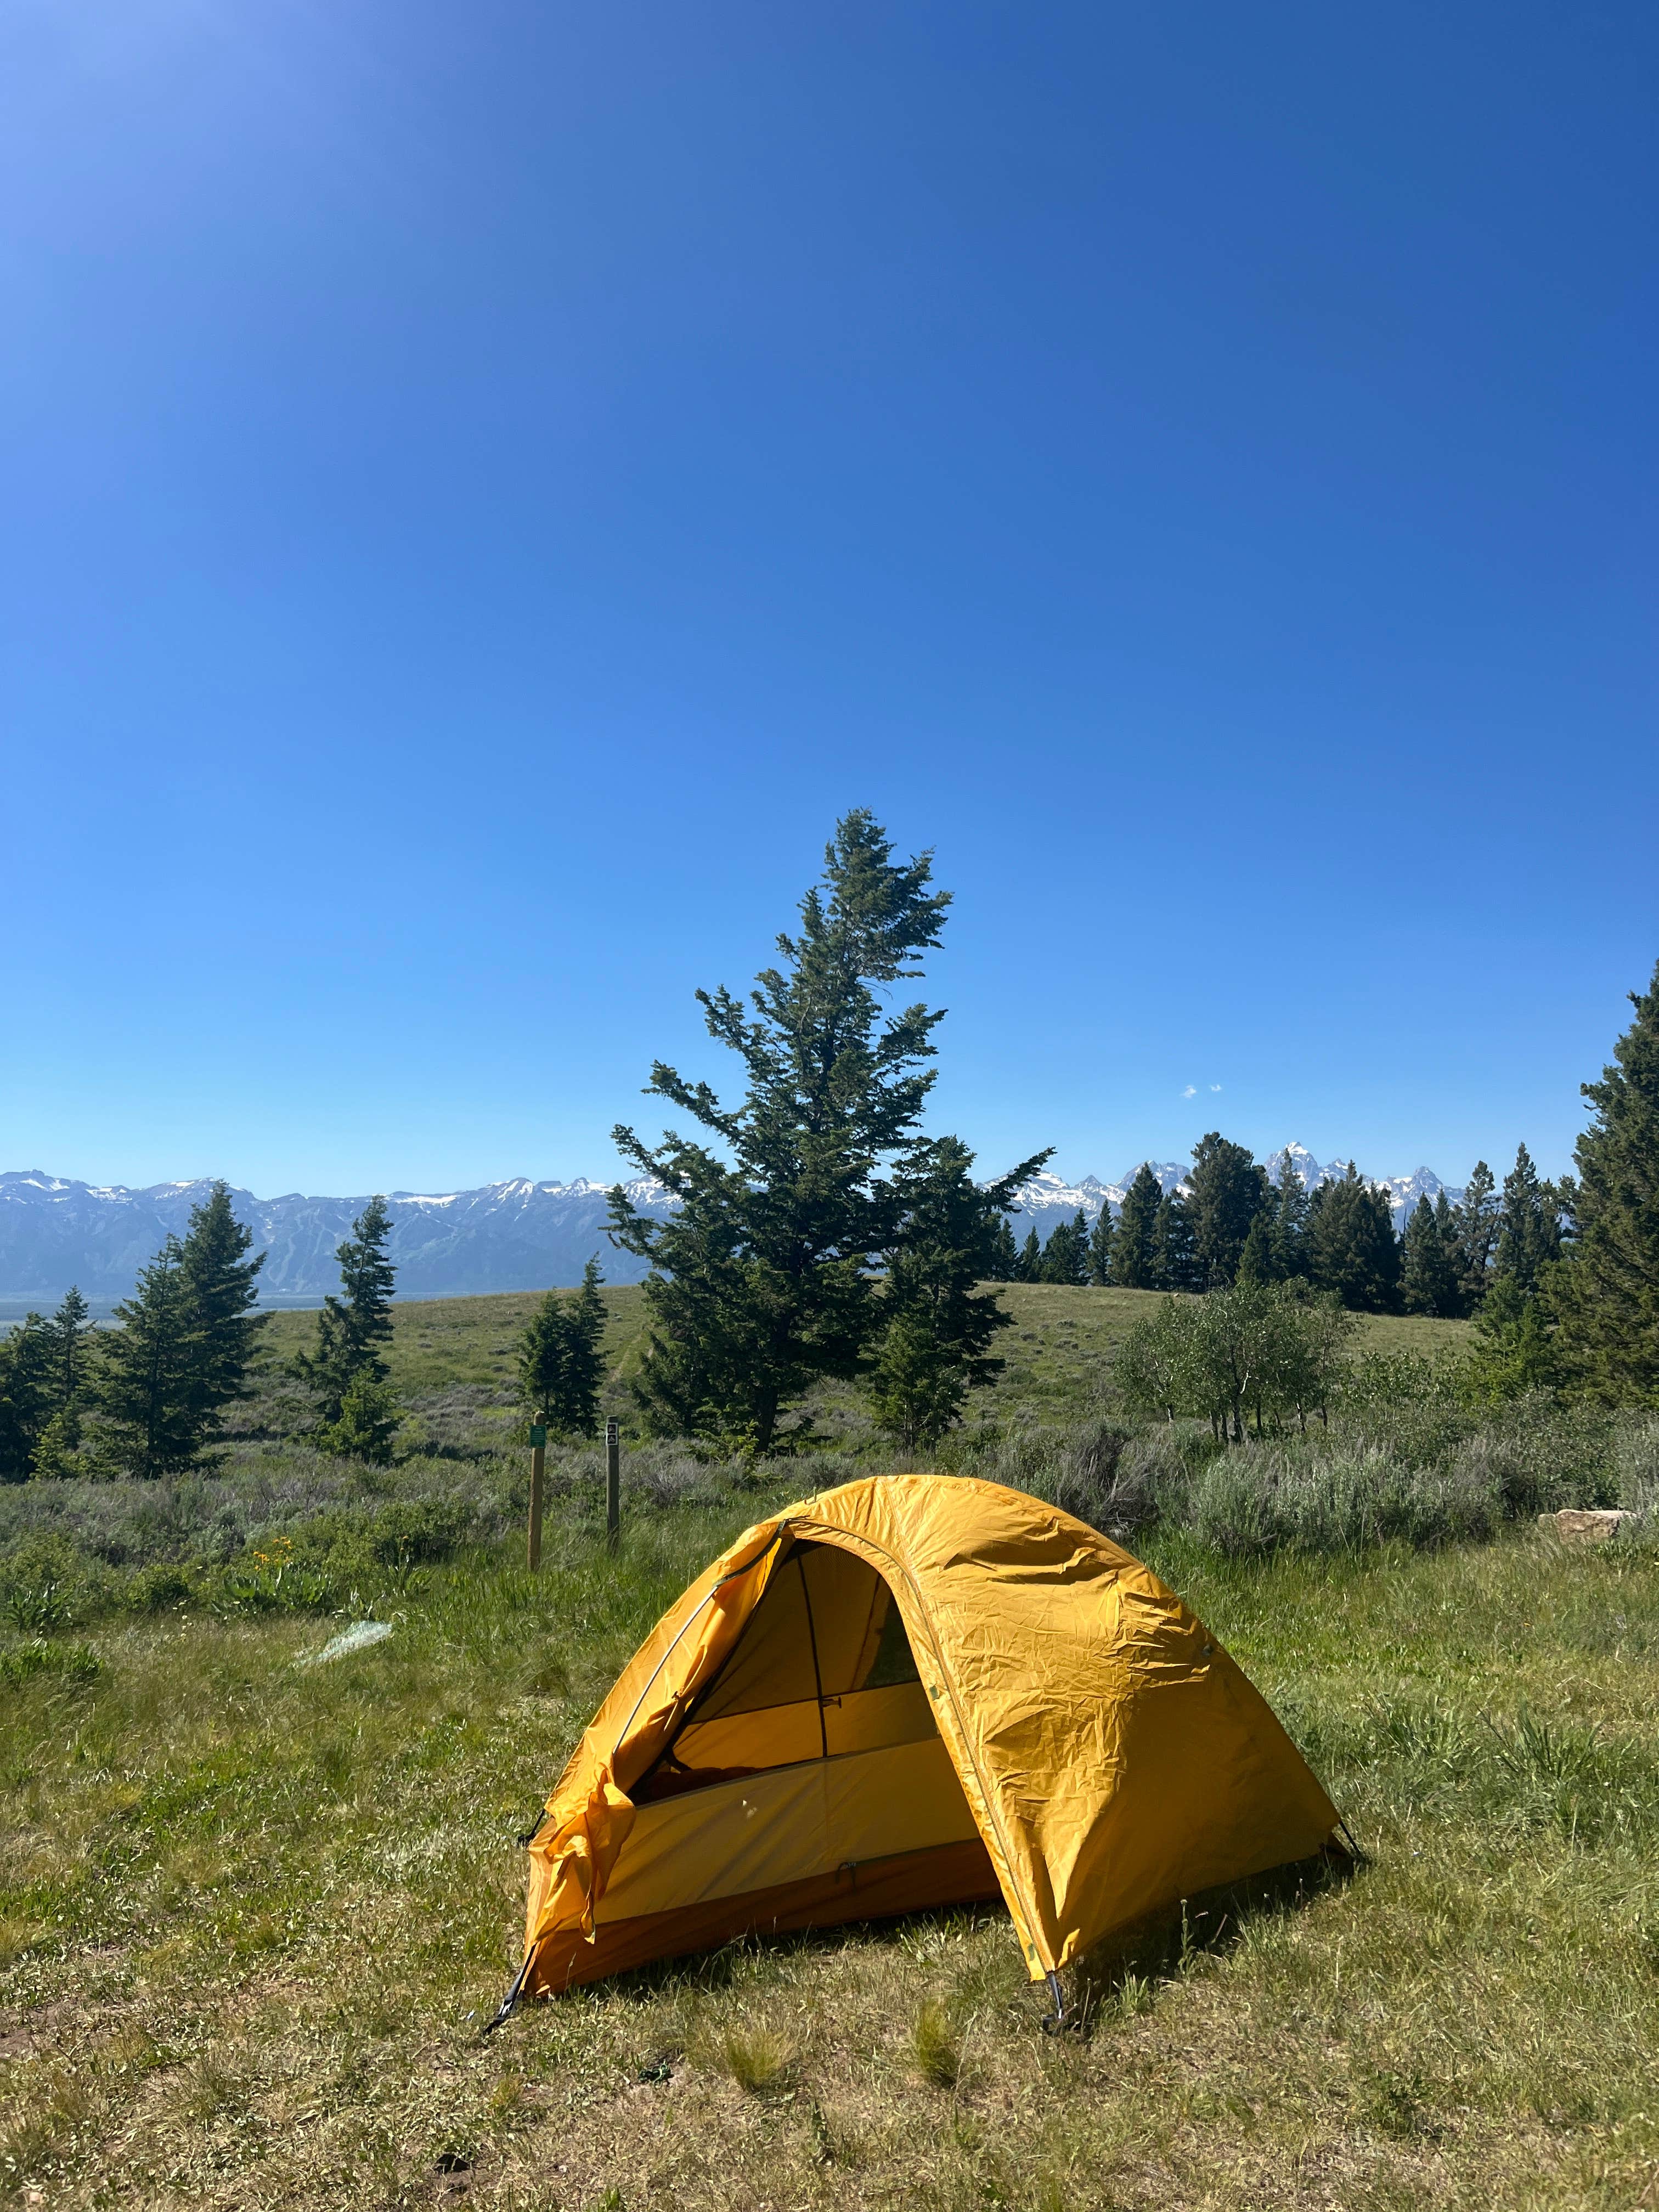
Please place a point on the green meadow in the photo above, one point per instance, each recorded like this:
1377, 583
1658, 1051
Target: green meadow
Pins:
255, 1910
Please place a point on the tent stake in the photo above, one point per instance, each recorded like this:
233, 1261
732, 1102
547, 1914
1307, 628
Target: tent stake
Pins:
505, 2011
1062, 2019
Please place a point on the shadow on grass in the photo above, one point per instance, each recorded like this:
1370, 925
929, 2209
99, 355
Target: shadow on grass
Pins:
754, 1958
1127, 1962
1120, 1969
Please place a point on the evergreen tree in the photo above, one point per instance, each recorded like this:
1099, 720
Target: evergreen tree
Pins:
147, 1379
71, 1330
1445, 1228
1289, 1223
1258, 1261
937, 1329
763, 1280
1607, 1291
1351, 1245
1529, 1226
1100, 1245
1002, 1259
1065, 1256
1512, 1354
1429, 1280
1030, 1259
181, 1354
1226, 1190
220, 1292
1078, 1260
1476, 1233
561, 1359
59, 1438
1175, 1247
1134, 1260
367, 1422
352, 1330
29, 1394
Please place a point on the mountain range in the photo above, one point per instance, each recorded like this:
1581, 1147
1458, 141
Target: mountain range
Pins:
516, 1236
1047, 1198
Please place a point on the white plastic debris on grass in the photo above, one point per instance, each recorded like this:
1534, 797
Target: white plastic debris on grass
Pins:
357, 1638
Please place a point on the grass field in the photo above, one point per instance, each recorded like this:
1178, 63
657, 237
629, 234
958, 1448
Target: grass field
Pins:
1055, 1354
254, 1911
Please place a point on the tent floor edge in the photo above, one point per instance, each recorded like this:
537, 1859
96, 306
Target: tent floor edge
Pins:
872, 1889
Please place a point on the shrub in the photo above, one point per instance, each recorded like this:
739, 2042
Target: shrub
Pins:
70, 1662
43, 1583
269, 1580
369, 1415
1085, 1479
1636, 1468
159, 1588
419, 1531
1254, 1501
1541, 1456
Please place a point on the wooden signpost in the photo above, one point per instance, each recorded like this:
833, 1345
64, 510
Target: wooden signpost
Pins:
612, 1485
538, 1467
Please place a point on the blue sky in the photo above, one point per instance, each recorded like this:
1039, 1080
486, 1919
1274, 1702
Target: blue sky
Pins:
487, 487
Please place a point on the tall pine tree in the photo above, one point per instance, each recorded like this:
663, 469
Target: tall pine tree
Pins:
1002, 1254
186, 1339
763, 1280
1352, 1246
1529, 1226
1606, 1294
1134, 1258
352, 1333
1100, 1245
71, 1332
146, 1384
936, 1327
1030, 1259
1225, 1192
1429, 1280
1258, 1261
1065, 1255
1290, 1223
29, 1394
1175, 1247
221, 1288
1476, 1233
561, 1359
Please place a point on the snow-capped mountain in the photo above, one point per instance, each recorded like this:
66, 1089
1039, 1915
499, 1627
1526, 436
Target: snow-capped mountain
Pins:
1047, 1199
521, 1235
516, 1236
1404, 1191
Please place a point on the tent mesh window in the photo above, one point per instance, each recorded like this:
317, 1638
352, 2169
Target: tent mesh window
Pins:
824, 1670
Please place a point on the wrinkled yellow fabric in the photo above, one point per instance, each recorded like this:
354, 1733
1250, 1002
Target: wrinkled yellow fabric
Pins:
1113, 1757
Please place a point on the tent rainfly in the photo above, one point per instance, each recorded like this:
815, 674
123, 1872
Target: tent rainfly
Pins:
915, 1690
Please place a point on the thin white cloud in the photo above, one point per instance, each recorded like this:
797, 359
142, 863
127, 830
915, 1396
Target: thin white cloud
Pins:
1215, 1086
1191, 1091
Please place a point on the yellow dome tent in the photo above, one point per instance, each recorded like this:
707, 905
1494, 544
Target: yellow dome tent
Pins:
915, 1690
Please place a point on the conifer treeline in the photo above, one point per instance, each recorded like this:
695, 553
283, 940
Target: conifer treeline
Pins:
1230, 1223
160, 1383
148, 1398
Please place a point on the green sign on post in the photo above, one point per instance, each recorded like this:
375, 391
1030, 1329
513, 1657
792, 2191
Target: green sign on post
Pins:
537, 1435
